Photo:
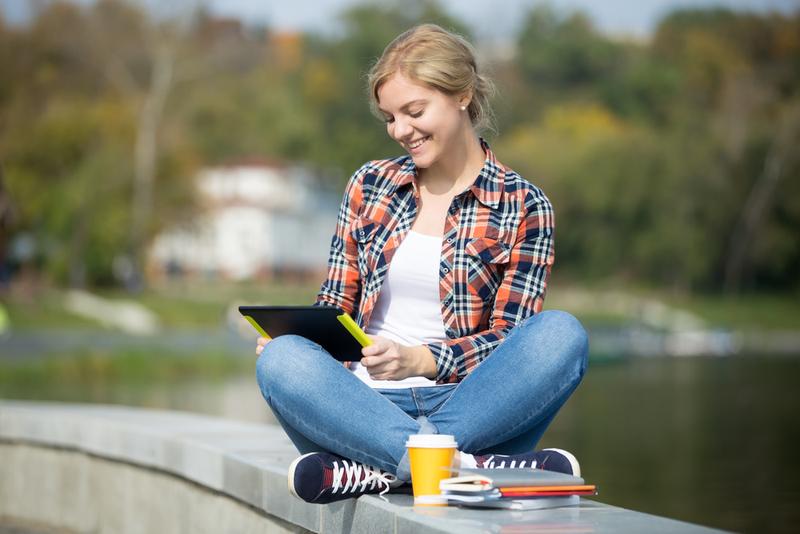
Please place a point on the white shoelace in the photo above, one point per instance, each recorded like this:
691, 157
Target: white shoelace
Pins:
490, 463
353, 472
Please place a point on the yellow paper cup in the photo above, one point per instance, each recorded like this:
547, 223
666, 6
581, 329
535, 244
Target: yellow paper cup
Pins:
431, 457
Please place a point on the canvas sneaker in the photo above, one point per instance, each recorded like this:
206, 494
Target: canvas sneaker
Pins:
322, 478
550, 459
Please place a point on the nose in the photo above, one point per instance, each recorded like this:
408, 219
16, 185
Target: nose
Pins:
402, 129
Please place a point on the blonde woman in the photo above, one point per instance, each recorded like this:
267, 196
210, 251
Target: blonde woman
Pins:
442, 255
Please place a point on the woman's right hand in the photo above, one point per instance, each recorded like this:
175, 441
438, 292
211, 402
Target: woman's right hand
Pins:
261, 343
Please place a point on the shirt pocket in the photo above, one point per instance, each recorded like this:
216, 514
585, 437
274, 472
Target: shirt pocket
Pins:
364, 232
487, 260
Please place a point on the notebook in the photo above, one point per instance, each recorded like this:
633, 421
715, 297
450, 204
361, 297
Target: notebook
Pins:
502, 488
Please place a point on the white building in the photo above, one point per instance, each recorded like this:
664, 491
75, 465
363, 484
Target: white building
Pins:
258, 219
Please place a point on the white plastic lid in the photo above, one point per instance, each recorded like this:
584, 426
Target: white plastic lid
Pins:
432, 441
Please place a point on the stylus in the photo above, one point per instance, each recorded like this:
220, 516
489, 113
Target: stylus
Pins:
354, 329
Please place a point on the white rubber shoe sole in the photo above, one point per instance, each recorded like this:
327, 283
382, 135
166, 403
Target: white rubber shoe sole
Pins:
576, 467
292, 468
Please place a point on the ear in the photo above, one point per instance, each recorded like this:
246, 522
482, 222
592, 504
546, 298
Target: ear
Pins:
465, 98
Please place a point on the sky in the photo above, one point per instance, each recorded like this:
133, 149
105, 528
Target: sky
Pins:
487, 18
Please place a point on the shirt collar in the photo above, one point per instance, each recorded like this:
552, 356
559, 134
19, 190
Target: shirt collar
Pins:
488, 186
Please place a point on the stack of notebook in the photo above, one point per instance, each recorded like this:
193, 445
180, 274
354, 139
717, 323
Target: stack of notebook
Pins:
517, 489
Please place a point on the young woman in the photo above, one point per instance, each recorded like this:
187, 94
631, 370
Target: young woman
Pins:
442, 256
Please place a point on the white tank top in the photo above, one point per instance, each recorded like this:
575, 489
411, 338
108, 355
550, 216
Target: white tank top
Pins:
408, 309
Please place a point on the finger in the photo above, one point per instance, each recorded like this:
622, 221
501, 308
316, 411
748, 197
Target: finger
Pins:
371, 350
379, 366
372, 363
378, 347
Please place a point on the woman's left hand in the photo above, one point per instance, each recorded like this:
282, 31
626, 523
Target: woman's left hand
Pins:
388, 360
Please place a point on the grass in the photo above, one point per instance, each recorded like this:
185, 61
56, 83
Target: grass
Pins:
207, 305
82, 372
179, 306
138, 366
46, 309
749, 312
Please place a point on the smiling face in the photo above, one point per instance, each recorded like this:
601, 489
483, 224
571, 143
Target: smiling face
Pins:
426, 122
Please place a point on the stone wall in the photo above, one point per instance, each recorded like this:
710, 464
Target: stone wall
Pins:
94, 468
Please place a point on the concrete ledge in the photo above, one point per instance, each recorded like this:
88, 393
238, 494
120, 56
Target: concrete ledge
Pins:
94, 468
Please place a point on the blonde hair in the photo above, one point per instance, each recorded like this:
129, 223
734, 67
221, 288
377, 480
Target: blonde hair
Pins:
440, 59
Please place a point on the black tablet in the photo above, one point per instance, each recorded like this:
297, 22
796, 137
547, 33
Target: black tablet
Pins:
328, 326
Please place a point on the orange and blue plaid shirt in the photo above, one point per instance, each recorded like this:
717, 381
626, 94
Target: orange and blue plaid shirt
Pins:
497, 252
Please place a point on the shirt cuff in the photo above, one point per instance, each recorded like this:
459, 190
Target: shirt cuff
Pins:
446, 370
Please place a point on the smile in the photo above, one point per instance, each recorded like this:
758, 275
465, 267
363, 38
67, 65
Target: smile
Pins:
417, 144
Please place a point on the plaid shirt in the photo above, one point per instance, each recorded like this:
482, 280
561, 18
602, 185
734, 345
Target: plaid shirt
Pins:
497, 252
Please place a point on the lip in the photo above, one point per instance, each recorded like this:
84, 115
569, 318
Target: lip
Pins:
416, 149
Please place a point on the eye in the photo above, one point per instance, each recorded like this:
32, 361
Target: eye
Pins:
417, 114
388, 120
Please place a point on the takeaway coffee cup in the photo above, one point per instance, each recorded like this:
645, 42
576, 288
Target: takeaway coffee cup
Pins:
431, 457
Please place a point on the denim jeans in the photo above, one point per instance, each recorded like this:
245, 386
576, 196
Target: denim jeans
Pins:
502, 407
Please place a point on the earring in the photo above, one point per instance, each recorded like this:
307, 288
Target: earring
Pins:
463, 108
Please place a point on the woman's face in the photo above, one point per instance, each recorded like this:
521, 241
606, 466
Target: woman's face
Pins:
426, 122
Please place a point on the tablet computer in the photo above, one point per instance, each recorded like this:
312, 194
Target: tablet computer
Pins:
328, 326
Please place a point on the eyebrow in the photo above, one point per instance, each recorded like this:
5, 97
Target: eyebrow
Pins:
406, 105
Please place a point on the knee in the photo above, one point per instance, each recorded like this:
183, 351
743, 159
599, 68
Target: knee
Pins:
280, 363
564, 337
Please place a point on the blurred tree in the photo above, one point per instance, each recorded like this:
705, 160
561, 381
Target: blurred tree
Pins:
342, 107
559, 51
65, 171
652, 160
67, 124
670, 161
740, 91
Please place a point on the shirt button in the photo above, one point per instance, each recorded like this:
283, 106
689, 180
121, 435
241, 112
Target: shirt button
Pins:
450, 240
445, 270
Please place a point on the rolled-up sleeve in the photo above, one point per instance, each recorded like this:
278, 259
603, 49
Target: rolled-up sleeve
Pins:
342, 285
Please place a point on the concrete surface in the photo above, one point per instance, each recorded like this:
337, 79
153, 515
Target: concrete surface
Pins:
96, 468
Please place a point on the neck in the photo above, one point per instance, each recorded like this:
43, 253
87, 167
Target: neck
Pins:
458, 170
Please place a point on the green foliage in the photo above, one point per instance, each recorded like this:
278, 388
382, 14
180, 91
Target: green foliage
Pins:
558, 51
66, 169
70, 113
654, 152
698, 113
342, 105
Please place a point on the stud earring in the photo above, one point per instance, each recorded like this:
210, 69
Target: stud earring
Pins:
463, 108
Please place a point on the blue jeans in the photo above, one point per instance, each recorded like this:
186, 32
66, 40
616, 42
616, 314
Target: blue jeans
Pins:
502, 407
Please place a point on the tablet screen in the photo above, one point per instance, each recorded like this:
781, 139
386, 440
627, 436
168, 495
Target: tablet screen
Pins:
324, 325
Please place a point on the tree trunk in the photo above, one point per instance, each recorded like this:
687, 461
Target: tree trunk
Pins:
759, 200
146, 157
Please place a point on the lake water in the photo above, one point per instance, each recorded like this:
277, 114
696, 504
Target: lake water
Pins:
707, 440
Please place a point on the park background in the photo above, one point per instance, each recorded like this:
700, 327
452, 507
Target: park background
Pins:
670, 157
